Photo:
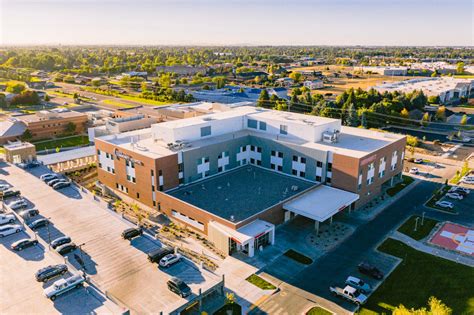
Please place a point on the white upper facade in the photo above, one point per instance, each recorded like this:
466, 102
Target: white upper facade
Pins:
270, 122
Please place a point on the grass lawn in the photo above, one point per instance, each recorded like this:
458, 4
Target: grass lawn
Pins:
61, 143
236, 309
118, 104
422, 231
420, 276
261, 283
143, 100
407, 180
298, 257
318, 311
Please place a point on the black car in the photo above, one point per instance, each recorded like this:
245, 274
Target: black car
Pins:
179, 287
367, 269
157, 254
10, 193
128, 234
32, 164
38, 223
28, 213
61, 184
50, 272
60, 241
24, 243
66, 248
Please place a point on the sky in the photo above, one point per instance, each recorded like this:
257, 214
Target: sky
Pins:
237, 22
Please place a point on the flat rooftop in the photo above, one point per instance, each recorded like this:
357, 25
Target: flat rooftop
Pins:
241, 193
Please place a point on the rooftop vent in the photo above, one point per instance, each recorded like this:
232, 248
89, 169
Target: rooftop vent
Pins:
331, 136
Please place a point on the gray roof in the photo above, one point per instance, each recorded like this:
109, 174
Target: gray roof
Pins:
66, 155
11, 128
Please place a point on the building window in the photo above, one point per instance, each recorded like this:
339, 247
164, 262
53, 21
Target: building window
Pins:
273, 153
160, 172
154, 203
161, 187
302, 174
206, 159
319, 164
138, 195
259, 149
280, 154
252, 160
244, 148
98, 152
280, 168
272, 166
152, 172
303, 160
219, 169
328, 180
251, 123
205, 131
283, 129
263, 125
152, 187
180, 167
259, 162
318, 178
294, 172
295, 158
252, 148
329, 167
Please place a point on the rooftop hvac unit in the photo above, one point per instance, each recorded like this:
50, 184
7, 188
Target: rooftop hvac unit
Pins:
331, 136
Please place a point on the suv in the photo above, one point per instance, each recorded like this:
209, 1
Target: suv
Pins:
66, 248
50, 272
179, 287
48, 177
370, 270
28, 213
357, 283
38, 223
128, 234
157, 254
17, 204
10, 193
60, 241
169, 260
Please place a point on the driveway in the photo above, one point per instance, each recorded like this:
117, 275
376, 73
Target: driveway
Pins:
117, 266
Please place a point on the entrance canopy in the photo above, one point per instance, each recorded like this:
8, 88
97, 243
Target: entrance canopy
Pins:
246, 233
321, 203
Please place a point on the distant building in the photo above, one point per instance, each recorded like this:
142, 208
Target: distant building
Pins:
234, 94
135, 74
314, 84
11, 130
285, 81
119, 125
448, 89
182, 69
19, 152
387, 71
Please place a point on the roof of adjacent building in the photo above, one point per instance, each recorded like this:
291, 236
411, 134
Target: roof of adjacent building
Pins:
67, 155
429, 86
9, 128
48, 115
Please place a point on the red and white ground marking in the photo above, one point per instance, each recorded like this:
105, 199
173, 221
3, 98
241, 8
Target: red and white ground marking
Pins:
455, 237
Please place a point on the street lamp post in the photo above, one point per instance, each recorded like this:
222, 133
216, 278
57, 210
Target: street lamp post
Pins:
416, 223
423, 218
49, 235
82, 257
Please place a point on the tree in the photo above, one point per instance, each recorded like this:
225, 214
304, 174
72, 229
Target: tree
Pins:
436, 307
26, 98
441, 113
404, 113
219, 81
165, 80
263, 99
15, 87
464, 120
47, 98
26, 136
433, 99
70, 128
412, 141
296, 76
352, 119
3, 100
460, 67
425, 119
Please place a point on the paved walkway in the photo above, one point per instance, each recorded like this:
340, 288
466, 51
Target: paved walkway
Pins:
436, 251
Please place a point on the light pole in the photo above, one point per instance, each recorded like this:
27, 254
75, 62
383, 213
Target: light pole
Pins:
423, 218
416, 223
49, 233
82, 257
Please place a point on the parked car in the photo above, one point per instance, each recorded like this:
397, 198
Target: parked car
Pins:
29, 165
62, 286
372, 271
445, 204
179, 287
7, 218
4, 187
10, 229
459, 189
169, 260
53, 181
24, 243
66, 248
28, 213
467, 180
48, 177
130, 233
10, 193
61, 184
414, 170
60, 241
418, 161
359, 284
455, 196
49, 272
157, 254
17, 204
350, 294
38, 223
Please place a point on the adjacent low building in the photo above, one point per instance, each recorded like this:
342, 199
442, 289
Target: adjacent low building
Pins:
234, 175
387, 71
313, 84
448, 89
19, 152
11, 130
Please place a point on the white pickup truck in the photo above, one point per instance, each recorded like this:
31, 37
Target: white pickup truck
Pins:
63, 285
349, 293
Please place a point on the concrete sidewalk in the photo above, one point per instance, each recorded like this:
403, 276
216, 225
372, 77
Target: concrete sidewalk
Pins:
436, 251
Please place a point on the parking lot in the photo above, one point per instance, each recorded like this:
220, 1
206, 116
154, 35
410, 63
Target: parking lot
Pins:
20, 293
117, 266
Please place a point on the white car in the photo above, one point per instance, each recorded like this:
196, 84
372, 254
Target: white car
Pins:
418, 161
18, 204
169, 260
359, 284
468, 180
62, 286
10, 229
7, 218
4, 187
48, 177
445, 204
455, 196
414, 170
459, 188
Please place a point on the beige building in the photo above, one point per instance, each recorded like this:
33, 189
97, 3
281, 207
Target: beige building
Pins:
18, 152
